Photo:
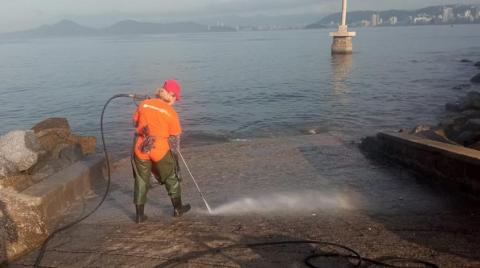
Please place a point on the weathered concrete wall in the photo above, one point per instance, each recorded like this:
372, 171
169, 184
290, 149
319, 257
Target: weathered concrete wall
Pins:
452, 164
27, 217
342, 45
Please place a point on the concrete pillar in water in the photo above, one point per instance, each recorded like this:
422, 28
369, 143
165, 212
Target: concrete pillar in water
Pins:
342, 39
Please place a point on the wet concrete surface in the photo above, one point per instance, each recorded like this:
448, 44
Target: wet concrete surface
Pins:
316, 187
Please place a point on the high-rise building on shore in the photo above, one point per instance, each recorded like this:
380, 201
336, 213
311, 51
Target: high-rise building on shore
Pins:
375, 20
393, 20
448, 15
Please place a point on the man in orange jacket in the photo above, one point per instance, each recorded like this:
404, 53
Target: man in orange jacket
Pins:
155, 123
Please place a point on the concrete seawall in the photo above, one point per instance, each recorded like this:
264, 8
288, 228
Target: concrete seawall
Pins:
28, 216
441, 162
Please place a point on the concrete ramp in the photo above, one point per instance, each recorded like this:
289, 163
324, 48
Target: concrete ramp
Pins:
316, 187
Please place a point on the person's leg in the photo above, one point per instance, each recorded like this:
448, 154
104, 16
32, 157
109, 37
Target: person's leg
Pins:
166, 169
142, 170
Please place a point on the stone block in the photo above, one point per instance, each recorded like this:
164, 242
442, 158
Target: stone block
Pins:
88, 143
27, 217
52, 123
21, 148
51, 138
71, 154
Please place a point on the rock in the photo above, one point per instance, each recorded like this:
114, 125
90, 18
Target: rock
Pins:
7, 167
453, 107
71, 154
470, 101
21, 148
473, 125
52, 123
55, 133
465, 60
467, 138
88, 143
475, 146
458, 118
55, 154
51, 132
471, 113
420, 128
475, 79
477, 64
436, 135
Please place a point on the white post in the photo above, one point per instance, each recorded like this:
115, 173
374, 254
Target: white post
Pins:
344, 12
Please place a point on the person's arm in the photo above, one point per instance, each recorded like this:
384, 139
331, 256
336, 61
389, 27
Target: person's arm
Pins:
135, 118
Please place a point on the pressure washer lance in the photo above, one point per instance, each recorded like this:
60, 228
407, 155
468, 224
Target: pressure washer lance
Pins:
195, 182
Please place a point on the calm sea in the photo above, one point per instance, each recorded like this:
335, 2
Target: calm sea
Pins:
241, 85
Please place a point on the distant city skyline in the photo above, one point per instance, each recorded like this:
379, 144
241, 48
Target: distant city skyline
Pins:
24, 14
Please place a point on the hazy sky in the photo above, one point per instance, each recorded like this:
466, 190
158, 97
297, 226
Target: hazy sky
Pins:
24, 14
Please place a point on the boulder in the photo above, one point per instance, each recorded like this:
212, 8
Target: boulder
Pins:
470, 101
473, 125
52, 123
465, 60
71, 153
477, 64
475, 146
21, 148
54, 134
6, 167
87, 143
435, 135
475, 79
51, 132
420, 128
467, 137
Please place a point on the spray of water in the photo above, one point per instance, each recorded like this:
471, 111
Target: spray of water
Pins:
287, 203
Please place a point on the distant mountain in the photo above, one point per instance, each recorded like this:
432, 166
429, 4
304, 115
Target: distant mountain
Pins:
67, 28
61, 28
428, 15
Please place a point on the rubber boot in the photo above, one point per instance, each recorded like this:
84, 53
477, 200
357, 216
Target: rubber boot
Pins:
178, 208
140, 217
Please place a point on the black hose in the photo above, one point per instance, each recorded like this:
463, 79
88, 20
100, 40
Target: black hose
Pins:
63, 228
352, 255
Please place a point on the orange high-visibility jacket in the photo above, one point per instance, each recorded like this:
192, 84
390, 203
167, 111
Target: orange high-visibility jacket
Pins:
161, 122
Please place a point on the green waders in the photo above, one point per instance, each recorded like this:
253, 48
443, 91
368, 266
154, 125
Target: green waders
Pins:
166, 171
